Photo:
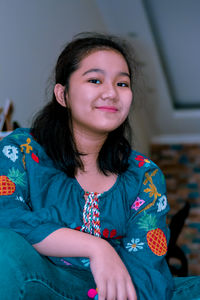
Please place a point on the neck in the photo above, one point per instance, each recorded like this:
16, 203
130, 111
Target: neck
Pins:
89, 144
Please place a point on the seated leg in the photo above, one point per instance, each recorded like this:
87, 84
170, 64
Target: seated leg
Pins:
25, 274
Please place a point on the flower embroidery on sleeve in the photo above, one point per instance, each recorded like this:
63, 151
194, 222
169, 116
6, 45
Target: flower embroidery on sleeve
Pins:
162, 203
10, 152
138, 202
86, 262
142, 161
19, 198
134, 245
151, 190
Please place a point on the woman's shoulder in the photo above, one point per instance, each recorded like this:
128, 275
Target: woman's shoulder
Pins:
140, 163
139, 167
17, 136
21, 141
145, 168
143, 178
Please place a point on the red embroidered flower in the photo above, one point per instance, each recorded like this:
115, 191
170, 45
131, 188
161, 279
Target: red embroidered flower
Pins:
35, 157
142, 160
111, 234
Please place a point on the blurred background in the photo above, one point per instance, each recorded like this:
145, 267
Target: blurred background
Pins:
166, 116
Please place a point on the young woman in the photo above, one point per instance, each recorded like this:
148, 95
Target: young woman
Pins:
87, 214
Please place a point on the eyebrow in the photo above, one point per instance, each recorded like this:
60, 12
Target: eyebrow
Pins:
102, 72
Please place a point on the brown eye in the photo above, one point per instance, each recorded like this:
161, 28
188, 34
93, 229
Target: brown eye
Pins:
95, 81
123, 84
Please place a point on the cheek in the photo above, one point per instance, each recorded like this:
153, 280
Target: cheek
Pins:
128, 102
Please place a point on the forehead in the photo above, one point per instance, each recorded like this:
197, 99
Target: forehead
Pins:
104, 58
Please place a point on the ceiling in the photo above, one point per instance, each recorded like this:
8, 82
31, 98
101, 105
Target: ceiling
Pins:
175, 25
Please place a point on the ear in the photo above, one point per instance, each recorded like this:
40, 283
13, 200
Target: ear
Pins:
59, 94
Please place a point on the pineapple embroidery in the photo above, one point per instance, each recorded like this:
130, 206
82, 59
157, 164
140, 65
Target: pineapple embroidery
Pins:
156, 238
8, 183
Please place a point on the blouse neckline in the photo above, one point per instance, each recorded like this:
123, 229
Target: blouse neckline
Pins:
101, 195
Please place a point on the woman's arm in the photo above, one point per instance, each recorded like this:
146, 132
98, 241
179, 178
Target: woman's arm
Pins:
144, 247
66, 242
110, 274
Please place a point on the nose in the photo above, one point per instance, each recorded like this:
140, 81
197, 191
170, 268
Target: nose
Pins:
109, 92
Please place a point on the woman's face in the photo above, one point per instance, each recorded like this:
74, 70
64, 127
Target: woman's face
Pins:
99, 94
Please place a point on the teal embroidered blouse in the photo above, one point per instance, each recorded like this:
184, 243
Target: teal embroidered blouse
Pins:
37, 199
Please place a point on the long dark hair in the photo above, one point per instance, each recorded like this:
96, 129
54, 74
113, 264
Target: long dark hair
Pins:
52, 126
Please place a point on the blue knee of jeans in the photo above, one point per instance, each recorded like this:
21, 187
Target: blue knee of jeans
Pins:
16, 254
11, 244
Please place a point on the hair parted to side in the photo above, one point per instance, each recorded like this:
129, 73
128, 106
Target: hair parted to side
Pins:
52, 126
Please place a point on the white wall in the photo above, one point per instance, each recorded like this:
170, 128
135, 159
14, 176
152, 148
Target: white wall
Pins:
32, 34
158, 120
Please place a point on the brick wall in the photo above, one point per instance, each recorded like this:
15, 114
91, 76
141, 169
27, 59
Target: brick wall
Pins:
181, 167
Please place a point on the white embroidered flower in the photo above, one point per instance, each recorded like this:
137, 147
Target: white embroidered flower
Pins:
19, 198
86, 262
135, 245
10, 152
162, 203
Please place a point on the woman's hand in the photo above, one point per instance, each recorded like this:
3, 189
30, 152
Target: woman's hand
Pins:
110, 274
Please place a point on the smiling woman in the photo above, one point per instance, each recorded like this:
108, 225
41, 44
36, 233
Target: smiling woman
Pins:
99, 94
87, 207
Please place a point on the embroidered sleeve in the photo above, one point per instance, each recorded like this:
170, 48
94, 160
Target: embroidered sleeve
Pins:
15, 203
144, 248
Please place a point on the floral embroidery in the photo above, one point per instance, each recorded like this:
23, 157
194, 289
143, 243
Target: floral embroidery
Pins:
111, 234
20, 198
135, 245
86, 262
17, 135
152, 190
142, 161
35, 157
149, 177
78, 228
26, 146
138, 202
162, 203
10, 152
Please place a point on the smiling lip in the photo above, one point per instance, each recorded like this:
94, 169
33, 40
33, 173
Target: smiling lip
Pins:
107, 108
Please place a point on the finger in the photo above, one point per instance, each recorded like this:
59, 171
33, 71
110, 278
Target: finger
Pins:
131, 292
121, 290
111, 290
101, 290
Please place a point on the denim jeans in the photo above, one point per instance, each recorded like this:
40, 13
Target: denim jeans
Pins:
25, 274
